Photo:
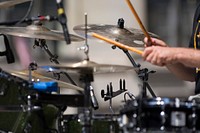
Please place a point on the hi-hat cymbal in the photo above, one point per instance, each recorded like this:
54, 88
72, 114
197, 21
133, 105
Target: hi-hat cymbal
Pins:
9, 3
130, 37
36, 76
37, 32
87, 67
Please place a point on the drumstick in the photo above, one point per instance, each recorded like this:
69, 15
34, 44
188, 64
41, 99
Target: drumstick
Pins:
139, 21
117, 44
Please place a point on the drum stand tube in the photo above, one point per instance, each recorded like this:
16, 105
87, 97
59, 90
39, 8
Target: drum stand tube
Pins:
88, 99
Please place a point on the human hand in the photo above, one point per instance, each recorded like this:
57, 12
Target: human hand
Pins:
154, 42
159, 55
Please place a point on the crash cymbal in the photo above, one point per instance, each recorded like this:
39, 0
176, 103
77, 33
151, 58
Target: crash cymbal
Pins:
9, 3
36, 76
130, 37
87, 67
37, 32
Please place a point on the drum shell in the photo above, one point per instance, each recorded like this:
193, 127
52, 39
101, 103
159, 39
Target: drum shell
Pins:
14, 118
99, 124
161, 114
169, 114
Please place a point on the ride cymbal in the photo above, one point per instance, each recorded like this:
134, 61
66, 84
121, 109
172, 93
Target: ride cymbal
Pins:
9, 3
130, 37
37, 32
87, 67
36, 76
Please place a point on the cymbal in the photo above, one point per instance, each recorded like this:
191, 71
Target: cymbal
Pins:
87, 67
9, 3
36, 76
37, 32
131, 37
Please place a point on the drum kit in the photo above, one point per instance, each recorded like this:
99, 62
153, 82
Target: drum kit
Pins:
32, 102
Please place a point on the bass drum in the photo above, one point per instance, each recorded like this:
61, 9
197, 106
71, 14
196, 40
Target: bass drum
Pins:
14, 118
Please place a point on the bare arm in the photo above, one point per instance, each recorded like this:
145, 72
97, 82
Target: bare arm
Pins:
180, 61
182, 72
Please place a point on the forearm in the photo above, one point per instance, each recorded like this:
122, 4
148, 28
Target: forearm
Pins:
188, 57
182, 72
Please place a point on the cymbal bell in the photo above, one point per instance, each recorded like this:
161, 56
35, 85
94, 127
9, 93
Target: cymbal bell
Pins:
87, 67
130, 37
37, 32
9, 3
24, 74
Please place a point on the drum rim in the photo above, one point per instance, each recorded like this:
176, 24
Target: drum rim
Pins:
172, 102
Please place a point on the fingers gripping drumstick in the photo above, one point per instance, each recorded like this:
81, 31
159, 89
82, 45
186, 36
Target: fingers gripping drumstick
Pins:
117, 44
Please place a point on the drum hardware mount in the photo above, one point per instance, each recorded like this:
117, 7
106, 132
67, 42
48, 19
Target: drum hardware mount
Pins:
32, 66
110, 94
43, 45
53, 58
144, 75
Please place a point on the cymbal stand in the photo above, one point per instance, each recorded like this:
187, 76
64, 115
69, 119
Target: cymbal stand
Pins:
143, 74
87, 112
85, 48
89, 95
